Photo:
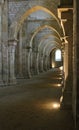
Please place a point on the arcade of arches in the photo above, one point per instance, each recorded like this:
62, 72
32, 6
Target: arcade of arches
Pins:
37, 36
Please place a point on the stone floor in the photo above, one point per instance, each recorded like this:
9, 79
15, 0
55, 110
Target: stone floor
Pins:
32, 104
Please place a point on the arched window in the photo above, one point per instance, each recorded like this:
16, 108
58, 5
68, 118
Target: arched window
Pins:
58, 55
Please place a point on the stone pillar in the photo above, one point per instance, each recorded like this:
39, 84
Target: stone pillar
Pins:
5, 62
20, 73
11, 57
0, 22
48, 63
65, 62
1, 73
36, 62
4, 20
3, 42
44, 63
1, 82
75, 96
41, 63
29, 51
31, 62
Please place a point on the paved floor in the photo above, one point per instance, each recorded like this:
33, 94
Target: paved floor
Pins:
32, 105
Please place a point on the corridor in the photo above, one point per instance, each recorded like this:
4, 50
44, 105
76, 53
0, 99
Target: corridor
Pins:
36, 104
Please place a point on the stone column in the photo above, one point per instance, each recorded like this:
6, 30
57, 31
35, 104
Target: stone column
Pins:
75, 95
34, 62
0, 22
4, 20
31, 62
0, 45
41, 62
1, 81
65, 62
29, 51
37, 62
47, 66
1, 73
3, 42
20, 73
5, 62
36, 53
11, 57
48, 63
44, 62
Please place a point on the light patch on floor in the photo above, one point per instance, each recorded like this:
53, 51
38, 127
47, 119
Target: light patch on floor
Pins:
53, 105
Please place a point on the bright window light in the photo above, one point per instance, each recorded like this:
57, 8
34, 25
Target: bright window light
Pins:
58, 55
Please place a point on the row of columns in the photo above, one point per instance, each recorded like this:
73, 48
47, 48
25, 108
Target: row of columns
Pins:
3, 43
16, 60
7, 48
35, 62
40, 64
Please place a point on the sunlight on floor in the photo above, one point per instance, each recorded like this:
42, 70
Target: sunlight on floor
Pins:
49, 105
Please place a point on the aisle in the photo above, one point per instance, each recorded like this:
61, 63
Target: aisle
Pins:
35, 104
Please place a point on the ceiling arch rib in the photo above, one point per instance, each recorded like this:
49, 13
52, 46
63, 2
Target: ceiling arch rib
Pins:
52, 35
48, 43
51, 47
16, 26
41, 28
54, 38
34, 9
48, 51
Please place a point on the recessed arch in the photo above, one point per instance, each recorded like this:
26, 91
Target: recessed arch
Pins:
48, 44
51, 35
50, 49
41, 28
53, 43
47, 36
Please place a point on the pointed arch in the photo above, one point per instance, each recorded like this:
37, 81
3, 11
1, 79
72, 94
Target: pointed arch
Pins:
47, 36
16, 26
41, 28
50, 42
37, 8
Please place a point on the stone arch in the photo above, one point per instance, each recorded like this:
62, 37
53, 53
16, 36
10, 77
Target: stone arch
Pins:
51, 43
46, 37
46, 59
14, 28
48, 43
50, 49
41, 28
